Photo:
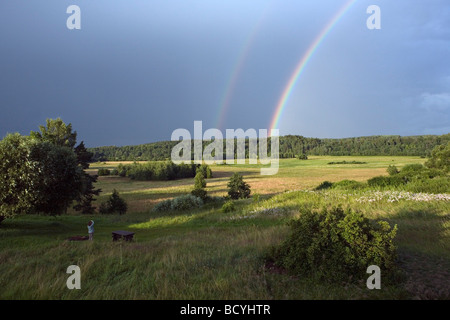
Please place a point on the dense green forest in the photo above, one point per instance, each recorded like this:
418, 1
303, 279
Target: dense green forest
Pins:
291, 146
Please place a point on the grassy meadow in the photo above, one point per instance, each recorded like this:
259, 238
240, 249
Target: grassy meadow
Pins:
208, 254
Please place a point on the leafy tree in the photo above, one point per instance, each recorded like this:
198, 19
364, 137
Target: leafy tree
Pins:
37, 176
440, 158
57, 133
17, 175
237, 187
59, 180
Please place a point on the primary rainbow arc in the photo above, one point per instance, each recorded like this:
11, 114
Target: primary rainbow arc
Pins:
302, 64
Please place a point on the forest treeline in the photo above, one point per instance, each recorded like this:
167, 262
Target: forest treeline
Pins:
292, 146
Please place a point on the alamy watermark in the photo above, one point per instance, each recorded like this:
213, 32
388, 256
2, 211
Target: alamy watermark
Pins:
74, 281
74, 20
374, 281
213, 152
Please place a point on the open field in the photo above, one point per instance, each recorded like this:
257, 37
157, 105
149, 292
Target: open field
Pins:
208, 254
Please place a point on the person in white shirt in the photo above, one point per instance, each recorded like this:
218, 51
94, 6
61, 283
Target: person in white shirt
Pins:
90, 227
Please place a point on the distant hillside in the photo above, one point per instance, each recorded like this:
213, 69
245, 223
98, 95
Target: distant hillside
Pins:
290, 146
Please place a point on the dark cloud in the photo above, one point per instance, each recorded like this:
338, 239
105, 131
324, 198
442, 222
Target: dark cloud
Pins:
140, 69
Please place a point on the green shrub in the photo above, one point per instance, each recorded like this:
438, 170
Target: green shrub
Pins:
383, 181
115, 204
302, 156
163, 206
237, 187
324, 185
412, 168
435, 185
122, 170
392, 170
114, 172
228, 207
200, 193
103, 172
186, 202
440, 158
348, 185
182, 203
336, 245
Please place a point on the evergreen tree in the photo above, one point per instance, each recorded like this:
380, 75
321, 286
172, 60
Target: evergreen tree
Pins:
86, 198
237, 187
199, 186
115, 204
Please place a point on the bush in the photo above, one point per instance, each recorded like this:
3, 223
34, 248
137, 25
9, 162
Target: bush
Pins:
103, 172
200, 193
115, 204
186, 202
392, 170
324, 185
228, 207
237, 187
182, 203
440, 158
336, 245
302, 157
114, 172
435, 185
410, 169
383, 181
348, 185
163, 206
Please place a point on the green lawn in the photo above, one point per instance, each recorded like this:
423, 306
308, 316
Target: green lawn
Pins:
207, 254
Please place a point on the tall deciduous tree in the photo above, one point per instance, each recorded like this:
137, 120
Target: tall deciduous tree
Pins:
17, 175
440, 158
61, 134
57, 133
60, 178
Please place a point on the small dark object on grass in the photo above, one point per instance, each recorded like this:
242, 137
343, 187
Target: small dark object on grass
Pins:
78, 238
347, 162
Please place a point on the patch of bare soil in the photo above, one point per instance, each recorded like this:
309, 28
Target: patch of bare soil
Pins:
78, 238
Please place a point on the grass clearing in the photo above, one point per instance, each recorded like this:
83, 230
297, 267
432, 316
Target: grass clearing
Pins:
208, 254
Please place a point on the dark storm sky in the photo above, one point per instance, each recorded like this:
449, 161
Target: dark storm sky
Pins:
137, 70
